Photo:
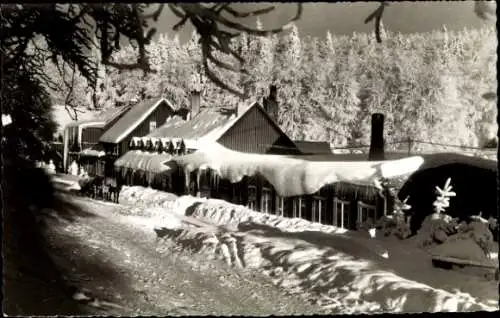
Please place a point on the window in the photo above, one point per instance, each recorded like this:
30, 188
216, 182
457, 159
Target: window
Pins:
299, 206
266, 200
280, 205
252, 197
341, 211
205, 182
365, 212
152, 125
318, 209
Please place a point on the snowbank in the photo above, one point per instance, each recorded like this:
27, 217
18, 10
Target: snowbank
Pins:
156, 204
339, 274
66, 182
146, 197
220, 212
290, 176
336, 280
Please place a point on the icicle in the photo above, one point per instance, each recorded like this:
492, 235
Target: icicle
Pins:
187, 178
198, 175
212, 178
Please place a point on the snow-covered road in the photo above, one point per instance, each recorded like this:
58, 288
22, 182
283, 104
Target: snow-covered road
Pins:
115, 259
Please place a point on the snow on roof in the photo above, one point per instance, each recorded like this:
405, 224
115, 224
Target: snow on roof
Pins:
94, 151
62, 118
440, 159
313, 147
126, 124
293, 176
207, 126
145, 161
91, 118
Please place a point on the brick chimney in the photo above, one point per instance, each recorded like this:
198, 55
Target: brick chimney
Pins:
377, 139
271, 103
195, 103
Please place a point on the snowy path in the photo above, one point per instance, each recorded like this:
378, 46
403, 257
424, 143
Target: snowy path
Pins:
115, 260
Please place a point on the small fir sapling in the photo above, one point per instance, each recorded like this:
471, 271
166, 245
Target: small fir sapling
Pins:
437, 226
395, 224
443, 200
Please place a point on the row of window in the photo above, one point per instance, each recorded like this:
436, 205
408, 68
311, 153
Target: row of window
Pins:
340, 212
340, 215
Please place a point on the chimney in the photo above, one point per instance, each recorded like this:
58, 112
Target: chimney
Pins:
271, 103
377, 139
195, 103
242, 106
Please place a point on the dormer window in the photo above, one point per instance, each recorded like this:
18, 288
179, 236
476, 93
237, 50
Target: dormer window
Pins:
171, 147
132, 145
155, 145
181, 148
152, 126
144, 144
139, 144
147, 144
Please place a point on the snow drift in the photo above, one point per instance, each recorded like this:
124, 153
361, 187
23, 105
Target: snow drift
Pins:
340, 275
337, 272
290, 176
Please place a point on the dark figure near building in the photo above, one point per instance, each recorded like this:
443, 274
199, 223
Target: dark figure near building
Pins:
271, 103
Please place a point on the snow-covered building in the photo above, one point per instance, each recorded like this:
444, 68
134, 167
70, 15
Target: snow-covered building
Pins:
474, 181
329, 192
81, 138
248, 129
242, 156
140, 120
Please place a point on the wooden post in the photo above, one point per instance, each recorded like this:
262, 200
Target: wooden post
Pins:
377, 138
409, 146
342, 216
385, 205
320, 207
65, 149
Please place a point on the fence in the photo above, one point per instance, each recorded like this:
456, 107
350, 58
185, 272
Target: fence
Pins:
415, 147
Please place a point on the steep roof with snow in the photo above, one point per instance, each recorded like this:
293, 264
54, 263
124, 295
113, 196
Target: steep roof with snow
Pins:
133, 118
97, 119
293, 176
440, 159
207, 126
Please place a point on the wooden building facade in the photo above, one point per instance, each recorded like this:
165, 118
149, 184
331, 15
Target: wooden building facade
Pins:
256, 132
140, 120
84, 135
340, 204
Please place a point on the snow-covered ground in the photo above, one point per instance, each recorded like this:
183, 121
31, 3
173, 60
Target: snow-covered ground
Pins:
345, 272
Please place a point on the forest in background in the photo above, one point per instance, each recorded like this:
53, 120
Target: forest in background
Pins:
429, 85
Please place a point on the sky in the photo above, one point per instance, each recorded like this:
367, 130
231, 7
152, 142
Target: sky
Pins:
346, 18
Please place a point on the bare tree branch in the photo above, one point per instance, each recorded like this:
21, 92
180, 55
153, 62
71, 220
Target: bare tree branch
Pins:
156, 14
208, 21
377, 15
239, 14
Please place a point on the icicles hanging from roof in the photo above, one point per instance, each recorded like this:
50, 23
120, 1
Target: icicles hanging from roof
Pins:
173, 146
